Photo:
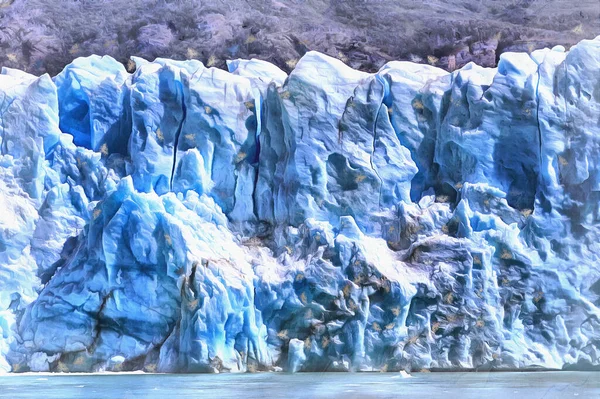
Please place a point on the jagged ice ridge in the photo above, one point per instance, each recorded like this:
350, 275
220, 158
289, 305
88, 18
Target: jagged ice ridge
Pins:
189, 219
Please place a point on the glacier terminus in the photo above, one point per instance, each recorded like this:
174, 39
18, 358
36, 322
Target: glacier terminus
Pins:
183, 218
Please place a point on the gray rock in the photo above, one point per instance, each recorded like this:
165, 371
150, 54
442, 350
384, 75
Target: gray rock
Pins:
41, 36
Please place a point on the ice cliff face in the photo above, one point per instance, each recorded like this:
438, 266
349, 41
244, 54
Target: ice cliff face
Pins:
185, 218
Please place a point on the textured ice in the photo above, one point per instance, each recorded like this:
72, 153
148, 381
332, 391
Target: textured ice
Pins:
93, 97
186, 218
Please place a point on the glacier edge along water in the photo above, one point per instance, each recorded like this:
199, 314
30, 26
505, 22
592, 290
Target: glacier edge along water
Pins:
189, 219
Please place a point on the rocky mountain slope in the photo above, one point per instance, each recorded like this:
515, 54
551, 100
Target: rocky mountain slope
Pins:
43, 36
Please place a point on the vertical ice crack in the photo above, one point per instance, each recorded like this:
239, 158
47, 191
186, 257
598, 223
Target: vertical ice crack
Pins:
384, 95
2, 112
98, 327
540, 179
541, 184
178, 133
537, 112
256, 160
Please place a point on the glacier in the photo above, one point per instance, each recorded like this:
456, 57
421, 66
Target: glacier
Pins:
183, 218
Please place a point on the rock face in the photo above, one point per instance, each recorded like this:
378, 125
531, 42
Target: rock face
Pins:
41, 36
188, 219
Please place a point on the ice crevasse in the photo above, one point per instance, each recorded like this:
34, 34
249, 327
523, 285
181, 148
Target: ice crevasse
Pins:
189, 219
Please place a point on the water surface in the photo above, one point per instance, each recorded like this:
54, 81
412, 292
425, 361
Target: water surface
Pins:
524, 385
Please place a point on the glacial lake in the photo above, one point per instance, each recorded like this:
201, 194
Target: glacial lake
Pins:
460, 385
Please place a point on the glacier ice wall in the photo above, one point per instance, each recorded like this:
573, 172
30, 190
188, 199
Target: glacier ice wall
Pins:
191, 219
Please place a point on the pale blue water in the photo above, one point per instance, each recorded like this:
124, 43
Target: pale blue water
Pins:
523, 385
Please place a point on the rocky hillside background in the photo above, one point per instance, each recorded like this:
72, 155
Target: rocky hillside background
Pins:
43, 36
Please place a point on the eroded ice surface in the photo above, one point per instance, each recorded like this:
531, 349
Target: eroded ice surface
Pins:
185, 218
